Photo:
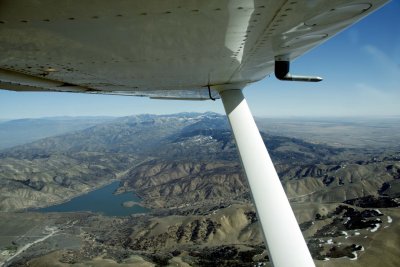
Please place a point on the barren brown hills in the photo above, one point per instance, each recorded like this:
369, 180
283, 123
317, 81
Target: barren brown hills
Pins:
185, 168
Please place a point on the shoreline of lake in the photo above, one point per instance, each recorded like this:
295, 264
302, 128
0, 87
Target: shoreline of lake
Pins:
99, 200
70, 198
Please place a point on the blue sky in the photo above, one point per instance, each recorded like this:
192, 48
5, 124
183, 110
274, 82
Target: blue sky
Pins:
360, 67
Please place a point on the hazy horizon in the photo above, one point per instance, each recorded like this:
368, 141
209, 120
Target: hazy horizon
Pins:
287, 117
360, 67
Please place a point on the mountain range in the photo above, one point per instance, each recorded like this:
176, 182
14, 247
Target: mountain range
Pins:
53, 169
186, 169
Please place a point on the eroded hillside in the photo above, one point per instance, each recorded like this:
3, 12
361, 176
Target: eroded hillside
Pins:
185, 168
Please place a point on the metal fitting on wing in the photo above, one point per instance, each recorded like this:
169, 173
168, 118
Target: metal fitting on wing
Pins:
282, 68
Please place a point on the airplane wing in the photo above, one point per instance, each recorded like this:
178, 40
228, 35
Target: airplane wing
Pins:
179, 49
161, 49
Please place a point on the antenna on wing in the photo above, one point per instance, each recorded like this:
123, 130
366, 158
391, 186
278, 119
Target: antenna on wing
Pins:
282, 67
209, 93
209, 88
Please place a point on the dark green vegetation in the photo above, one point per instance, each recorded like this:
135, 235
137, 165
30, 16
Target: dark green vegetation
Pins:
185, 167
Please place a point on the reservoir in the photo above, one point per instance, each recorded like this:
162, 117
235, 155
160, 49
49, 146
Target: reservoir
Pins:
101, 200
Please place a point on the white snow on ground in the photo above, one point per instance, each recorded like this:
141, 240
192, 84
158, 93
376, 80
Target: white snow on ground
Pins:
346, 235
378, 211
376, 227
326, 259
355, 256
390, 220
355, 253
346, 220
356, 233
330, 242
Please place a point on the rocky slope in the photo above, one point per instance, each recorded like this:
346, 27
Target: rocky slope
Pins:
181, 159
172, 184
186, 168
41, 180
336, 233
55, 169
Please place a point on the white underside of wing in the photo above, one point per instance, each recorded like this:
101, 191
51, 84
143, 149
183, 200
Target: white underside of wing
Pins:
168, 49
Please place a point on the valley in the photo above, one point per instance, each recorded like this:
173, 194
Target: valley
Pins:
185, 170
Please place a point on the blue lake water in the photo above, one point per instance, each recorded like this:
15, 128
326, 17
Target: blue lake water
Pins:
102, 201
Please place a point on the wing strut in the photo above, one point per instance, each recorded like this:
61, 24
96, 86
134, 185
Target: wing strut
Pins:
284, 240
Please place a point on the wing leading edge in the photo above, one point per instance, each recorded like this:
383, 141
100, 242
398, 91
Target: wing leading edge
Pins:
160, 49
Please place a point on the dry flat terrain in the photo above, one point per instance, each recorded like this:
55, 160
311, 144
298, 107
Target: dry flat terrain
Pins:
364, 132
345, 196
